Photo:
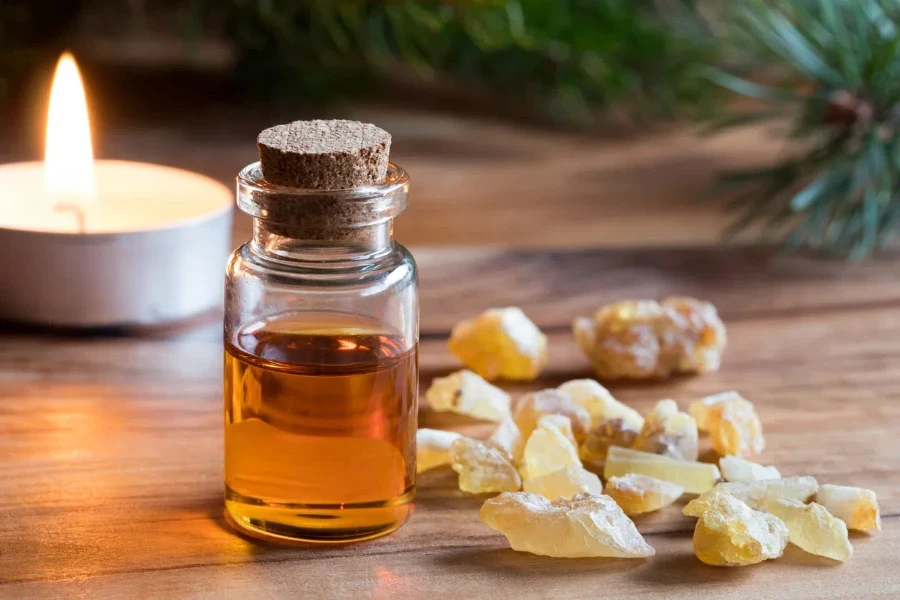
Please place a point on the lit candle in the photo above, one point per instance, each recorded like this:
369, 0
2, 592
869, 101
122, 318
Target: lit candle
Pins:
89, 243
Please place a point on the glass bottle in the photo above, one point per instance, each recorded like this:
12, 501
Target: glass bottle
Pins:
321, 364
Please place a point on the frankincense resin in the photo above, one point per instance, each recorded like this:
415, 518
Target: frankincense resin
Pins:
320, 425
586, 526
731, 534
637, 494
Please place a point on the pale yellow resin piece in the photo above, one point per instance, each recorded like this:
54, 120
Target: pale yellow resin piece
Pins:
467, 393
644, 339
433, 448
585, 526
564, 424
531, 407
735, 468
482, 468
812, 528
601, 404
755, 493
509, 439
855, 506
564, 483
548, 449
668, 432
500, 343
733, 425
731, 534
737, 430
611, 432
701, 409
694, 477
638, 494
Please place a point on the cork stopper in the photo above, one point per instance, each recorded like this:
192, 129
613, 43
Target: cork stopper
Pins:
324, 155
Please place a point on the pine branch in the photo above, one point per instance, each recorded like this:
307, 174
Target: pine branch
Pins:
841, 93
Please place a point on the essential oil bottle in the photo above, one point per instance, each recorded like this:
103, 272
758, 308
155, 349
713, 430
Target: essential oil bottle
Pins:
321, 333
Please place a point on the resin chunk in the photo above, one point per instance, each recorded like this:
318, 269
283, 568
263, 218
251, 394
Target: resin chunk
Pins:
585, 526
669, 432
601, 405
733, 425
731, 534
643, 339
737, 430
855, 506
564, 483
482, 468
757, 492
611, 432
433, 448
701, 409
703, 337
694, 477
548, 449
500, 343
533, 406
735, 468
562, 423
466, 393
812, 528
509, 439
638, 494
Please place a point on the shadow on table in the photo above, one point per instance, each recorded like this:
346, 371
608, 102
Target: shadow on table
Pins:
505, 560
682, 567
800, 558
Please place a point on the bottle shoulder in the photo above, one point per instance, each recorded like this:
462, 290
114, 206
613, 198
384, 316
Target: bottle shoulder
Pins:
396, 267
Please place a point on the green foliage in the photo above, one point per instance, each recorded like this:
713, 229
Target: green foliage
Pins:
564, 58
834, 73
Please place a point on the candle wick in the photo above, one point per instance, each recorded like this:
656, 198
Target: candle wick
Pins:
76, 210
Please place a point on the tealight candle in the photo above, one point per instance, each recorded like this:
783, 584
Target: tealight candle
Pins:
87, 243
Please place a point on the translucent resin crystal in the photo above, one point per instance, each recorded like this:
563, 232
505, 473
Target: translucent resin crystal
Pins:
755, 493
433, 448
601, 404
610, 432
812, 528
500, 343
735, 468
694, 477
585, 526
509, 439
548, 449
668, 432
483, 469
643, 339
637, 494
530, 407
855, 506
564, 483
466, 393
731, 534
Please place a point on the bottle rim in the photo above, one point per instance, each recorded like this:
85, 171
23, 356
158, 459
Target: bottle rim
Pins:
326, 209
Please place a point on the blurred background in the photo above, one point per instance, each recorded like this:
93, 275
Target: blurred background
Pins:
524, 122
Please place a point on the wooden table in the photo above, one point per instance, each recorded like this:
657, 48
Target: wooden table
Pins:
111, 446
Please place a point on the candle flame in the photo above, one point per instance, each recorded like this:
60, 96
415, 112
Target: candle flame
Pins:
68, 157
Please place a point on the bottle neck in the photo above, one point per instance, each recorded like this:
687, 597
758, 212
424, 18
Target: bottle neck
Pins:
296, 245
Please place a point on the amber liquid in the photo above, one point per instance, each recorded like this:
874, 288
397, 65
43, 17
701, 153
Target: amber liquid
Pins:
320, 421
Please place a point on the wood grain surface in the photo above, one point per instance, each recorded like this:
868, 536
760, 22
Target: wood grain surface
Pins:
111, 446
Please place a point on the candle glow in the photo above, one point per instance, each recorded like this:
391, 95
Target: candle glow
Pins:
106, 243
68, 157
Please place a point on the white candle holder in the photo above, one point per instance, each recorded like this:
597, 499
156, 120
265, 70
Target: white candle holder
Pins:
151, 250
